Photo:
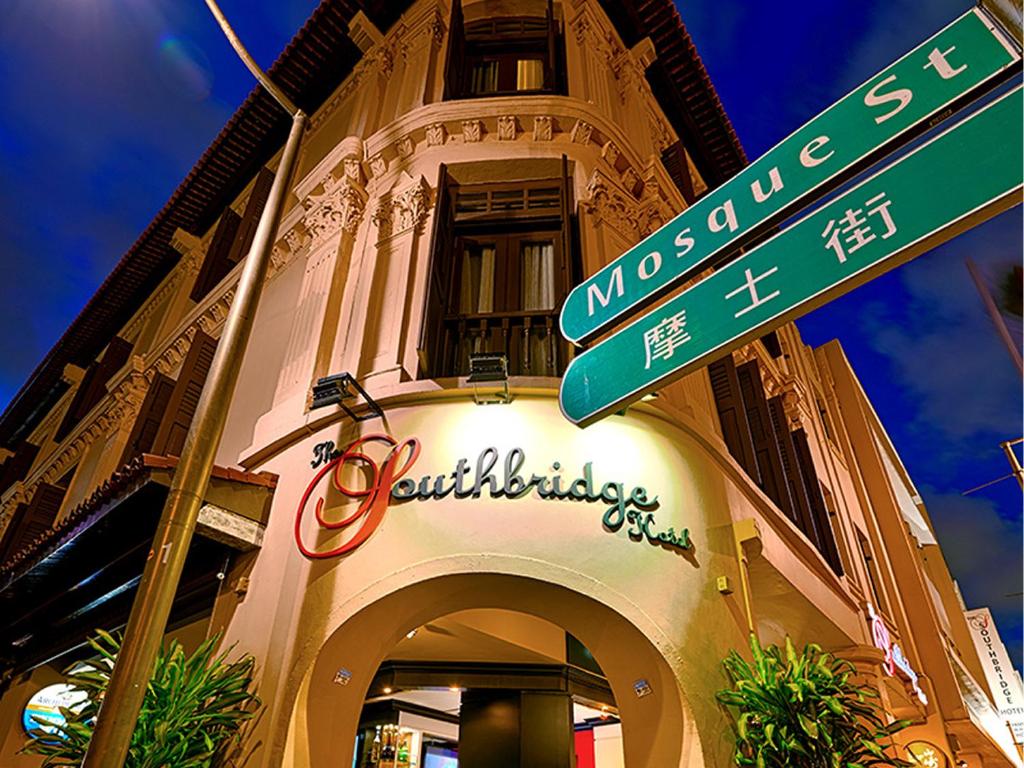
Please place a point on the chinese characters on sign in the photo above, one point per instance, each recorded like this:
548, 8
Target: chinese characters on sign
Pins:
854, 232
663, 339
883, 222
846, 237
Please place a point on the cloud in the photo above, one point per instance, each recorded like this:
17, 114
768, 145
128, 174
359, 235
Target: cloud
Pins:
983, 552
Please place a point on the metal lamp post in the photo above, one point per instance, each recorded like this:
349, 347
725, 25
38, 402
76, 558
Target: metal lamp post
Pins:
152, 606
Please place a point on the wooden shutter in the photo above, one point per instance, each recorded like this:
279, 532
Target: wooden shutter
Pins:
454, 73
551, 63
766, 448
17, 466
251, 218
147, 424
432, 347
33, 519
170, 438
94, 384
801, 509
732, 415
569, 253
217, 264
11, 537
819, 514
674, 159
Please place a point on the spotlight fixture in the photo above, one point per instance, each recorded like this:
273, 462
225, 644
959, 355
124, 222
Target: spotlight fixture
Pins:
411, 634
339, 387
387, 690
490, 368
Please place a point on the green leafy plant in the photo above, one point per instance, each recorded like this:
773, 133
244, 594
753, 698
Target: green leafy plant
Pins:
192, 714
804, 711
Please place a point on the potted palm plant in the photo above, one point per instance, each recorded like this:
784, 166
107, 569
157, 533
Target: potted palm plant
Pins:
804, 710
192, 714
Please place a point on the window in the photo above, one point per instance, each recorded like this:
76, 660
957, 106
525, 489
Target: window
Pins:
777, 459
874, 577
501, 264
504, 55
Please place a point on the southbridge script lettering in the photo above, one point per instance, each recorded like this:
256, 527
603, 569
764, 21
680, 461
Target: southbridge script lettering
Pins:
633, 509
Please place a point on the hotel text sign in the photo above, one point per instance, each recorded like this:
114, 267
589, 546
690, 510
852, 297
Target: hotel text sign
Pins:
954, 181
1002, 679
491, 473
960, 62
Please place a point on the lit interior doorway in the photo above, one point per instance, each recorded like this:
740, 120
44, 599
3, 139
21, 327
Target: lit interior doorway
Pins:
489, 688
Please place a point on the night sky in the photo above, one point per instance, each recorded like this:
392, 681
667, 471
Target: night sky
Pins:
106, 104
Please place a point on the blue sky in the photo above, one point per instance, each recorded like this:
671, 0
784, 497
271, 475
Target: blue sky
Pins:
106, 104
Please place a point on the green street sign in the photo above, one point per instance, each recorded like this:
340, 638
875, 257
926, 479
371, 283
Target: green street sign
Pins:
953, 182
958, 64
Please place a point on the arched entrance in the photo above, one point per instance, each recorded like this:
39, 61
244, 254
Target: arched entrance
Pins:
657, 728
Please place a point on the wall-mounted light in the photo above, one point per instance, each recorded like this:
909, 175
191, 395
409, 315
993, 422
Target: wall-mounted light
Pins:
339, 387
490, 368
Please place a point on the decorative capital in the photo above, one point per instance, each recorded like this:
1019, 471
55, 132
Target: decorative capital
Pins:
403, 210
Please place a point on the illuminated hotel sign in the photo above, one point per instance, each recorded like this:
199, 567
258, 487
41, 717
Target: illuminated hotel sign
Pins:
1002, 680
894, 658
491, 473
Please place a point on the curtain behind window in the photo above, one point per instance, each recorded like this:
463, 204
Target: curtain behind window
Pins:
476, 292
484, 77
538, 260
529, 74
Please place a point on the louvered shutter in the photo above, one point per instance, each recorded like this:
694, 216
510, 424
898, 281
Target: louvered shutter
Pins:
94, 384
674, 159
170, 438
18, 465
801, 509
38, 517
147, 424
11, 537
823, 526
732, 415
217, 262
432, 343
454, 74
766, 449
251, 218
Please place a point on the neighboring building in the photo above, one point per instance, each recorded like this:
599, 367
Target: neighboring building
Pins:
463, 168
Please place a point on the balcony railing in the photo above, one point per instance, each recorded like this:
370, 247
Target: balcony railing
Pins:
530, 341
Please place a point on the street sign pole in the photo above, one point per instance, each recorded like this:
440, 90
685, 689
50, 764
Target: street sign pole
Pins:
957, 65
955, 181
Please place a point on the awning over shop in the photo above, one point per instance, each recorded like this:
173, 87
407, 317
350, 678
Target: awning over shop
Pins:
82, 574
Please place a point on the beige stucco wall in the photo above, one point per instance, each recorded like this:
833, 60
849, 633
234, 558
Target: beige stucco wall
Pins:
645, 595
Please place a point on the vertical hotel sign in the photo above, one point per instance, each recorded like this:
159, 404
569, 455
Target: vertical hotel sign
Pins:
1002, 679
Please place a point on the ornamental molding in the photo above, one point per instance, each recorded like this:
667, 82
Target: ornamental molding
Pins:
609, 202
556, 121
424, 26
404, 208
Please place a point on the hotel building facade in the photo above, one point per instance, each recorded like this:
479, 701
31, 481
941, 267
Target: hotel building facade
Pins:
506, 587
